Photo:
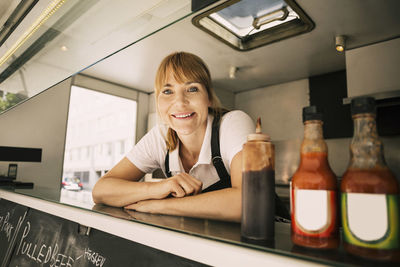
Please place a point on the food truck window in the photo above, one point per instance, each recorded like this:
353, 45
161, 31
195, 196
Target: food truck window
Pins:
100, 128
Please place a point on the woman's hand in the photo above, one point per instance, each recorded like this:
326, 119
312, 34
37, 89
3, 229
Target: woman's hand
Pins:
180, 185
150, 206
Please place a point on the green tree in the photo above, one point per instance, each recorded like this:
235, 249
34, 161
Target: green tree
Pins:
10, 100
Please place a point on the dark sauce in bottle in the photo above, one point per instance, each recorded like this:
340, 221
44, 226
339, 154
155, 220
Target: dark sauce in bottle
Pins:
258, 205
258, 189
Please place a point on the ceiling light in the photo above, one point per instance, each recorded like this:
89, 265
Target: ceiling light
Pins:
340, 43
64, 48
15, 18
44, 16
232, 72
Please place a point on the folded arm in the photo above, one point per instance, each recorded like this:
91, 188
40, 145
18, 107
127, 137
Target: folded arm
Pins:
120, 187
222, 204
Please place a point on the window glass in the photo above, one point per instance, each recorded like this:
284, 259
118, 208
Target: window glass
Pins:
93, 126
58, 38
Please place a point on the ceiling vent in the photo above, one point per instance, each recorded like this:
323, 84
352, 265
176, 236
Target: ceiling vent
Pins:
247, 24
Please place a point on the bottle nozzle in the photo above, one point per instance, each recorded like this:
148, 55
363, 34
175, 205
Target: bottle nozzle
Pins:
258, 126
258, 135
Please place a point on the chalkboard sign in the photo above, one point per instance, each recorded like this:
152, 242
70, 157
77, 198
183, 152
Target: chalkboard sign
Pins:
12, 216
47, 240
116, 251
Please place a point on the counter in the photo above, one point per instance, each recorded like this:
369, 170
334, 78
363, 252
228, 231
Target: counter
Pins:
202, 241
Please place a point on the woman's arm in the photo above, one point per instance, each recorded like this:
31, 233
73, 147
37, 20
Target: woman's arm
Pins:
222, 204
119, 186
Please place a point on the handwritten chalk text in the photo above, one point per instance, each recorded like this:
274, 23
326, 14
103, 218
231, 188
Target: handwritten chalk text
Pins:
5, 226
42, 253
94, 257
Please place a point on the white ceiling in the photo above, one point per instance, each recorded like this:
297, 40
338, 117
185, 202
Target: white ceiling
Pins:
363, 21
313, 53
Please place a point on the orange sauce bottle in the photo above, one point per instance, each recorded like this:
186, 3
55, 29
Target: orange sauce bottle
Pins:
370, 192
313, 190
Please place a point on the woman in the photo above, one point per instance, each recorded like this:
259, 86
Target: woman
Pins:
187, 105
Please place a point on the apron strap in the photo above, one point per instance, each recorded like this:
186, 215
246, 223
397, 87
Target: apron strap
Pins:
224, 177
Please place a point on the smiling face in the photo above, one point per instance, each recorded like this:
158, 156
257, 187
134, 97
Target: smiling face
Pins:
183, 106
183, 92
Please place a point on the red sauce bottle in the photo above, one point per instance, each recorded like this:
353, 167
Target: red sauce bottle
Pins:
313, 190
370, 191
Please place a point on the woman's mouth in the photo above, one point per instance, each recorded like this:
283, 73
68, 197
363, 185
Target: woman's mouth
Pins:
183, 115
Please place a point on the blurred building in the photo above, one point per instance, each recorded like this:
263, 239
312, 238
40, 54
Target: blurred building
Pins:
100, 131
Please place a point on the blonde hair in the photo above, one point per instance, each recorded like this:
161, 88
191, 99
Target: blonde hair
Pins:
186, 67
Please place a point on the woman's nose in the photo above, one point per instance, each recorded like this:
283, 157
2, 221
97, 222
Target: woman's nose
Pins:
181, 98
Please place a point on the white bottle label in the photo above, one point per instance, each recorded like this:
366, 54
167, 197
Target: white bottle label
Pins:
311, 209
367, 215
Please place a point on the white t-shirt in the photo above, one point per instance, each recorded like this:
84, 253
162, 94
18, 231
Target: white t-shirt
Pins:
149, 153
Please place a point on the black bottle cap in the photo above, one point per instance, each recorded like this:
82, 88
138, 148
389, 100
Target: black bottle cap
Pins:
311, 113
363, 105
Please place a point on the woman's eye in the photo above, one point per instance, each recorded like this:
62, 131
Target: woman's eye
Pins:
193, 89
167, 91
